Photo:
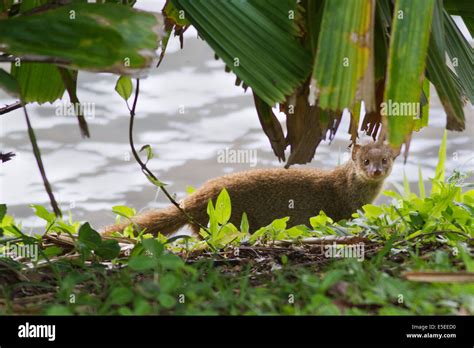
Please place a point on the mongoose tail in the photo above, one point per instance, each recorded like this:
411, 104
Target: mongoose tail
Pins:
164, 221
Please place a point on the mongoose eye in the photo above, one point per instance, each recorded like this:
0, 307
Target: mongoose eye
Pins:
384, 161
366, 162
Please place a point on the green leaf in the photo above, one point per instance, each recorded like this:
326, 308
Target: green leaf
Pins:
120, 296
343, 70
56, 310
141, 306
172, 13
405, 71
100, 37
211, 212
52, 251
469, 21
142, 263
320, 220
108, 249
124, 211
43, 213
441, 76
124, 87
440, 167
3, 211
9, 84
383, 20
38, 82
89, 237
459, 7
466, 257
461, 54
166, 300
168, 283
372, 211
423, 119
244, 224
149, 151
170, 261
155, 181
223, 207
256, 39
280, 224
153, 246
190, 189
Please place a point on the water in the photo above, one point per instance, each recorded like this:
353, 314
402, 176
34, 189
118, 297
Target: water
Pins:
89, 176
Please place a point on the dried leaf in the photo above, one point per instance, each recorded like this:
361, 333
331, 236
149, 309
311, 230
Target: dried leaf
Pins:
440, 277
271, 126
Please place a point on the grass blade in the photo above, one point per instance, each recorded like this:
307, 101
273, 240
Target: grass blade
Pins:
440, 167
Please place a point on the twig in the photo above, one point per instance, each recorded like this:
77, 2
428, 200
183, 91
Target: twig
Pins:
7, 108
145, 169
37, 154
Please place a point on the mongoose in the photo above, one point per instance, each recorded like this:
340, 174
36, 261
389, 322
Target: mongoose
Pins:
267, 194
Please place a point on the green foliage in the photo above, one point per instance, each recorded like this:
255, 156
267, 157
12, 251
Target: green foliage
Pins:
445, 82
124, 87
210, 276
221, 232
246, 35
124, 211
126, 39
440, 171
329, 54
31, 78
406, 63
90, 240
9, 84
338, 74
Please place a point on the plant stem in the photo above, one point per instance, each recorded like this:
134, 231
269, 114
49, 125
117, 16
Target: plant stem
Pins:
8, 108
145, 169
37, 155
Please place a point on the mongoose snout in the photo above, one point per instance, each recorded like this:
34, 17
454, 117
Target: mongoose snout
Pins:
374, 162
267, 194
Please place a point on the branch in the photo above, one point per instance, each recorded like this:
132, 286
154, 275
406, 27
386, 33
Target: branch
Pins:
145, 169
7, 108
37, 154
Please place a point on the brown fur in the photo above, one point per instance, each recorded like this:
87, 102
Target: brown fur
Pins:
266, 194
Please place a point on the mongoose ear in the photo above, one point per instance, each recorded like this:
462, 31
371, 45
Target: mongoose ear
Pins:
396, 151
354, 151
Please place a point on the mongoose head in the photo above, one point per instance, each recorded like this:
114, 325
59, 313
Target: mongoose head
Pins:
373, 161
